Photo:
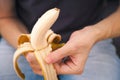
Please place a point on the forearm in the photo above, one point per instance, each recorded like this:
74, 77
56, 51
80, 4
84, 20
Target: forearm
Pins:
10, 26
10, 29
109, 27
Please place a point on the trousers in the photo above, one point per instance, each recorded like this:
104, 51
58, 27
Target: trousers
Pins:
102, 64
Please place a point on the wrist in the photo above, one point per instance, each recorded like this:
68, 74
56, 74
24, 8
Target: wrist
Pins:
94, 33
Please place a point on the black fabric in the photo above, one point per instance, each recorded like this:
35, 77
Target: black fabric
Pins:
74, 15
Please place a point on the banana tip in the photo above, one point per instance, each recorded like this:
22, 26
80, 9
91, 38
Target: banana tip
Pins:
57, 9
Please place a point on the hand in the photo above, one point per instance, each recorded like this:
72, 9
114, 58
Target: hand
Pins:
30, 57
77, 49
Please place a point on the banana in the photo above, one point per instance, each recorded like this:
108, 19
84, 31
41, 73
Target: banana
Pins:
41, 41
41, 27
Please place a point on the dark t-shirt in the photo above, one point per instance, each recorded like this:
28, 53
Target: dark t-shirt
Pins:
74, 14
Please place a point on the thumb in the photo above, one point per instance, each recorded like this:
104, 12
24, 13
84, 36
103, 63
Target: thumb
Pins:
57, 54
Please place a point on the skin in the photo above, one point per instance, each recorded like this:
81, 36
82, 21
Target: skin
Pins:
77, 48
9, 23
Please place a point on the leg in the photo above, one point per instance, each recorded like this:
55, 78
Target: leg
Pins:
6, 66
26, 69
102, 64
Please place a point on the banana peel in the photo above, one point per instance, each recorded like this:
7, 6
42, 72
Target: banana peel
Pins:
41, 42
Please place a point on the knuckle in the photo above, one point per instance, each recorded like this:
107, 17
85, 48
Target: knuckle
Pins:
73, 49
29, 58
37, 72
75, 33
79, 71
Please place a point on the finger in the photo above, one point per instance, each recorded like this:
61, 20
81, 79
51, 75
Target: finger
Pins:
68, 68
38, 71
63, 69
30, 57
72, 66
58, 54
35, 67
